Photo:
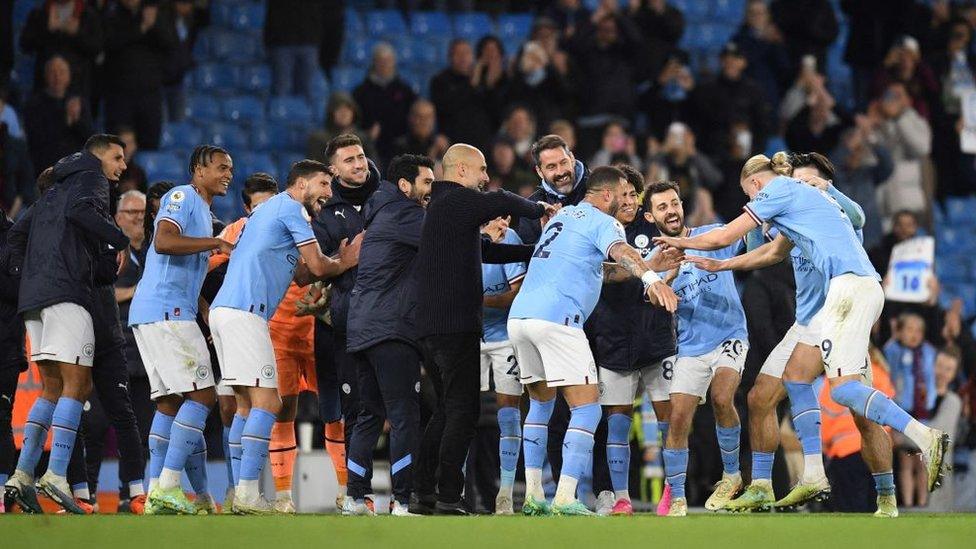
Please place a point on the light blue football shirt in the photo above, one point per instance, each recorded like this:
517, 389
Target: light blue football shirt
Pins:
709, 309
815, 223
497, 280
565, 275
170, 284
263, 263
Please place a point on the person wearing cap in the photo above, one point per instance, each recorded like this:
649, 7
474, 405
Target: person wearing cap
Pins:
729, 98
904, 64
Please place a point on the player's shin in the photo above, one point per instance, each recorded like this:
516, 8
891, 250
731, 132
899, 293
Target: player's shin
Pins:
184, 437
509, 426
577, 450
534, 443
618, 453
805, 410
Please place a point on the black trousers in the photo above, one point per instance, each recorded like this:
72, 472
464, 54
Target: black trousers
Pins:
337, 378
141, 111
851, 485
8, 388
389, 375
111, 406
453, 362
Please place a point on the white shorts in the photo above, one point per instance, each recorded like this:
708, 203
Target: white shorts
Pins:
852, 307
498, 363
244, 348
175, 356
550, 352
62, 332
619, 388
775, 363
224, 390
693, 374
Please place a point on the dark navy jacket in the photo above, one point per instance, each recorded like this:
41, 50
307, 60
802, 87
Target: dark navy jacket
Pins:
383, 303
625, 332
12, 353
530, 229
68, 227
340, 220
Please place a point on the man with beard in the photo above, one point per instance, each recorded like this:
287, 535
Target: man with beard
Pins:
56, 295
634, 347
545, 325
341, 218
277, 245
383, 335
712, 347
563, 181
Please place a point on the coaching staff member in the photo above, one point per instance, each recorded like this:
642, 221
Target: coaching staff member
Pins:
449, 295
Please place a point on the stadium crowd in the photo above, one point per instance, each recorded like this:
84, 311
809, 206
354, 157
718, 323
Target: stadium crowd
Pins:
592, 84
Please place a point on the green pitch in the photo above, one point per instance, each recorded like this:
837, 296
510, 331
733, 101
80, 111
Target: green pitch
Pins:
309, 531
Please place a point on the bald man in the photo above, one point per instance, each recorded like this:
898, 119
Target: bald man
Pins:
449, 296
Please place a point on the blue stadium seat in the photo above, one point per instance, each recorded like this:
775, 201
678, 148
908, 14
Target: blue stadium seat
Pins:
380, 23
214, 77
289, 109
243, 108
965, 292
248, 17
320, 87
953, 269
954, 240
729, 10
233, 46
694, 10
22, 9
472, 26
273, 136
228, 136
426, 23
417, 52
358, 50
774, 144
514, 26
179, 136
161, 165
959, 211
254, 79
249, 162
354, 23
228, 208
284, 162
222, 14
347, 77
202, 108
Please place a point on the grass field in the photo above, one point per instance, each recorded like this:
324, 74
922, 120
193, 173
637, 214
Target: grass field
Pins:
820, 531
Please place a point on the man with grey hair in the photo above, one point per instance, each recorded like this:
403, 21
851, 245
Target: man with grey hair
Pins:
385, 99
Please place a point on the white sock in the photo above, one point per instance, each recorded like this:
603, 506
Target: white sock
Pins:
169, 479
82, 493
565, 490
533, 484
136, 489
813, 469
247, 490
505, 490
920, 434
282, 494
621, 494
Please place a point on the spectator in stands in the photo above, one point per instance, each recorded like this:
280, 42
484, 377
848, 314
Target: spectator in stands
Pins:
567, 15
17, 186
461, 110
904, 65
730, 97
566, 131
808, 27
490, 76
139, 40
945, 415
8, 115
542, 83
911, 360
667, 101
519, 129
955, 70
187, 20
385, 99
860, 167
421, 137
292, 35
616, 141
333, 31
66, 28
661, 25
608, 50
809, 82
508, 171
134, 177
695, 174
904, 225
817, 127
762, 45
342, 116
737, 146
57, 123
900, 128
873, 26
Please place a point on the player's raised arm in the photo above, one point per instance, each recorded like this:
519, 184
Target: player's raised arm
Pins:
768, 254
317, 266
659, 293
169, 240
714, 239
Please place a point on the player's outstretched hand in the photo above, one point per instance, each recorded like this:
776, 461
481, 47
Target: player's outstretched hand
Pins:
661, 295
224, 247
816, 181
496, 228
349, 250
669, 242
551, 210
122, 258
706, 263
668, 259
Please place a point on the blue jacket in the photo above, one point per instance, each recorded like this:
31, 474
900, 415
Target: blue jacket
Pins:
626, 333
383, 302
69, 226
339, 220
900, 360
530, 229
